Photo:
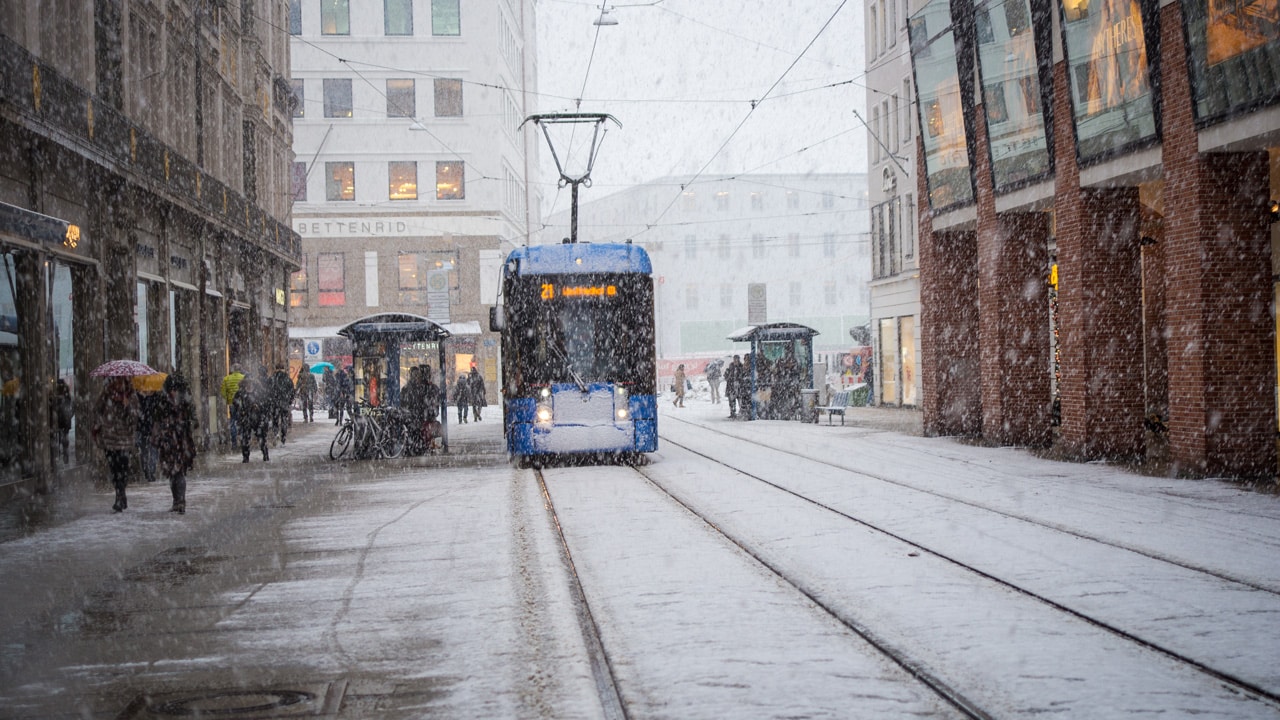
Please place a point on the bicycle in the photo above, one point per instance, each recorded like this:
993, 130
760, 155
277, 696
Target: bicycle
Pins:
370, 432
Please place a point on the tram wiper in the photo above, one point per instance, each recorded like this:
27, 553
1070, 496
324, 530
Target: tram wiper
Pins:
564, 358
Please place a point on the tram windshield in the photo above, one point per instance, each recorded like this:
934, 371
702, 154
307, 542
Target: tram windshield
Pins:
588, 330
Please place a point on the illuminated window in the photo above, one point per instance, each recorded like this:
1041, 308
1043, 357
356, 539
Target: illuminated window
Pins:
298, 286
397, 17
340, 181
331, 279
402, 180
413, 278
401, 100
450, 180
448, 97
299, 182
337, 98
335, 17
445, 18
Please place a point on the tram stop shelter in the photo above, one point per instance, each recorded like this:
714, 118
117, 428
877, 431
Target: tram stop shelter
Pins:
780, 389
376, 341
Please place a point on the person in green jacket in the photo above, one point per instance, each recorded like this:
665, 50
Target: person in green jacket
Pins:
231, 386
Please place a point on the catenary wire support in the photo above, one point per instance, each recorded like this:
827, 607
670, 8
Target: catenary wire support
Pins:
546, 121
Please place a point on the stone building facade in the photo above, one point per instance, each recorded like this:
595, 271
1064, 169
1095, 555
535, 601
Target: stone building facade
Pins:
1097, 253
144, 207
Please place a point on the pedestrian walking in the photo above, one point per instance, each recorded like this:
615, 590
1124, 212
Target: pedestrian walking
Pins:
733, 378
477, 392
281, 399
115, 428
713, 379
678, 386
251, 404
61, 411
148, 407
345, 395
869, 377
746, 405
462, 397
173, 437
230, 386
306, 391
330, 389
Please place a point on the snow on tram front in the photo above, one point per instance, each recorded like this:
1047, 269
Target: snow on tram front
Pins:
578, 370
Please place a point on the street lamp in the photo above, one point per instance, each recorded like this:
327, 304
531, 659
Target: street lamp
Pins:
607, 19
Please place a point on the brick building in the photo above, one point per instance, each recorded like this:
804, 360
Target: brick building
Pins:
144, 207
1097, 252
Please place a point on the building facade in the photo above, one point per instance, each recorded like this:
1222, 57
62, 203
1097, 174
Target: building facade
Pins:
1097, 252
751, 248
891, 155
391, 95
144, 210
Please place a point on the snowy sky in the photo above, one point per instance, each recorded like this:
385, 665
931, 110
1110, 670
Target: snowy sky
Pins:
681, 76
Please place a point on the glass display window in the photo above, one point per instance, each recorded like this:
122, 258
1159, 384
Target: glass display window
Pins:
1233, 51
937, 79
1011, 90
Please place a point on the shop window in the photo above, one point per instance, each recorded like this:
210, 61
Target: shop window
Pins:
337, 98
61, 288
401, 99
888, 378
445, 17
298, 286
13, 454
1020, 150
340, 181
1234, 53
450, 181
413, 278
402, 182
946, 153
397, 17
448, 92
335, 17
907, 351
331, 281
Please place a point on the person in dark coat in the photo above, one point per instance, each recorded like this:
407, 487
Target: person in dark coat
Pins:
413, 406
462, 397
733, 378
330, 390
115, 429
61, 410
148, 405
173, 437
281, 399
306, 391
253, 409
476, 390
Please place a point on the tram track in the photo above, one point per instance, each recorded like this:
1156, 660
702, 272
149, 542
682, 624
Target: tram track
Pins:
1073, 532
1242, 685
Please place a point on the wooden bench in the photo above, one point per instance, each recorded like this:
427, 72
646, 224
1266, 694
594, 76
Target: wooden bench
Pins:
839, 401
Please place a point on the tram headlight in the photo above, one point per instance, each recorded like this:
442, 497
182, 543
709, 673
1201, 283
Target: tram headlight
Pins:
542, 415
621, 404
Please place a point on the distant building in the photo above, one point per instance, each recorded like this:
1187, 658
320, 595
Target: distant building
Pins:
1098, 236
891, 152
801, 238
144, 209
410, 183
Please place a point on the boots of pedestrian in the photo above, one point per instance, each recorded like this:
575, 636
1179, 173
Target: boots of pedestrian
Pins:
265, 456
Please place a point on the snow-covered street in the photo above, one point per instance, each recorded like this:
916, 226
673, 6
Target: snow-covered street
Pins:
762, 569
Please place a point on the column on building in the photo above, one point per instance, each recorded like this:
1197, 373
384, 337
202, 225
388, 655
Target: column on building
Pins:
1012, 262
1099, 304
950, 364
1222, 414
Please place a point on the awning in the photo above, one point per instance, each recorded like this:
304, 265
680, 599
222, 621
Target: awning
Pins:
183, 285
772, 331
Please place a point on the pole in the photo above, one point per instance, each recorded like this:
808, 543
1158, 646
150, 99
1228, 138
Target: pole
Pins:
573, 216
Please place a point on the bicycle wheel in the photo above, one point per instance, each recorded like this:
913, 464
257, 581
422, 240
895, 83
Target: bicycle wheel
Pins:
341, 444
392, 440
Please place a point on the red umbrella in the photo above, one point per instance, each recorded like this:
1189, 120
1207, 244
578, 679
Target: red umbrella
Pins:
122, 368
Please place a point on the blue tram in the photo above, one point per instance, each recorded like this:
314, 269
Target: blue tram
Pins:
578, 368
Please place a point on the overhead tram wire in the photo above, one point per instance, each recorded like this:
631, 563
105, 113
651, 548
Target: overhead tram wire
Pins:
754, 104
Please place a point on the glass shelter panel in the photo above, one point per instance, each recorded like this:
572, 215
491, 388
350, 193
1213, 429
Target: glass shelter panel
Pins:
1234, 52
946, 153
1107, 62
1011, 94
12, 442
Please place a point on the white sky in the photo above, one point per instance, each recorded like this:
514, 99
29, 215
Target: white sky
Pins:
681, 76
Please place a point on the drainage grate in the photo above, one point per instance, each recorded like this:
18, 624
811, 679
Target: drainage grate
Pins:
318, 700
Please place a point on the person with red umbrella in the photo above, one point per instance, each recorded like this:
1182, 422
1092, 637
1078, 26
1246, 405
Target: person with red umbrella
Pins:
115, 428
